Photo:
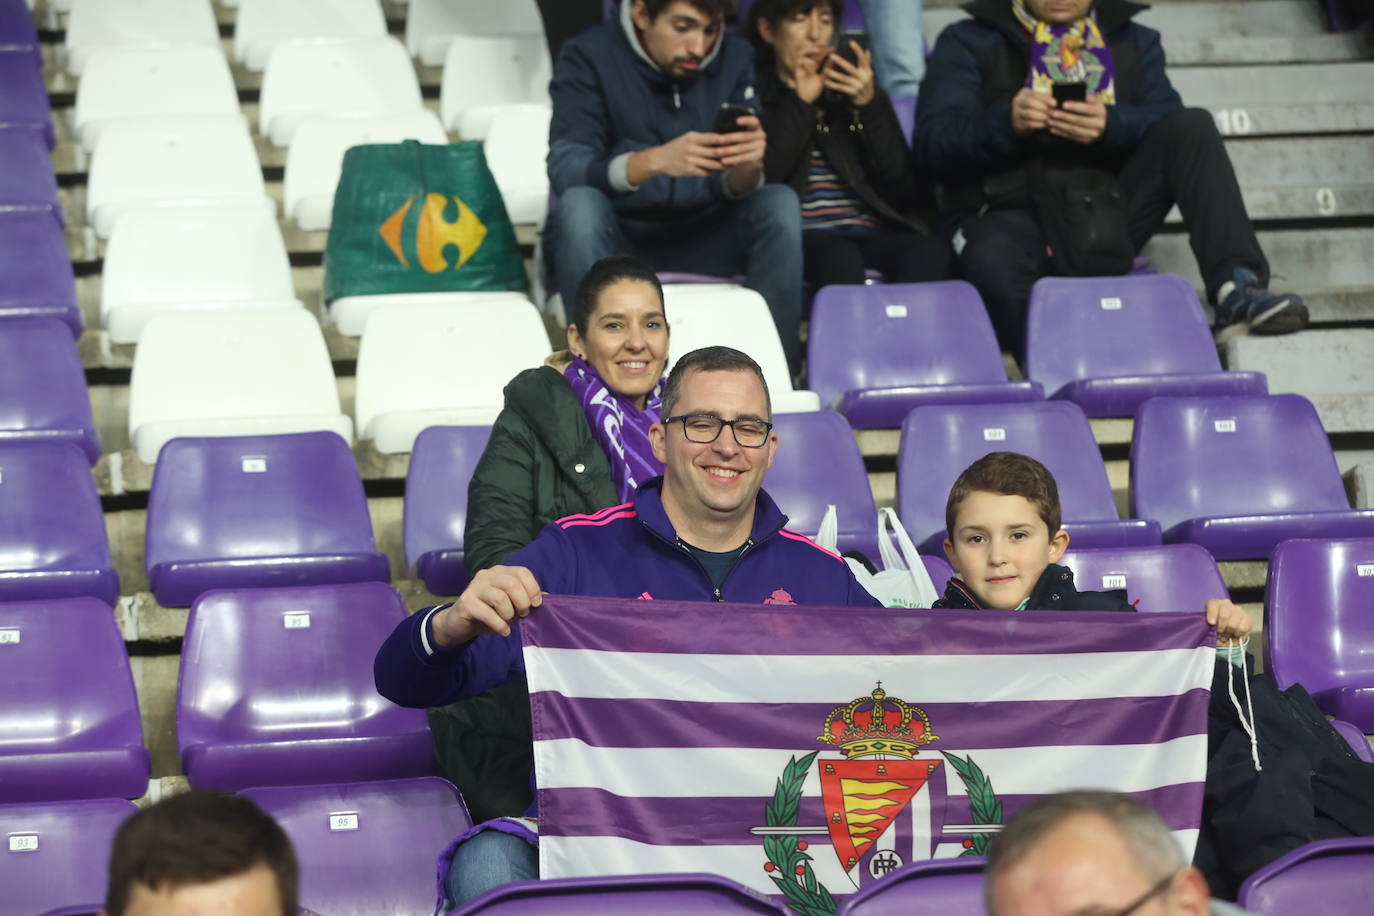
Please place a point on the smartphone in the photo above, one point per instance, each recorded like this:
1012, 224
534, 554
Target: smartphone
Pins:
1070, 92
726, 118
843, 49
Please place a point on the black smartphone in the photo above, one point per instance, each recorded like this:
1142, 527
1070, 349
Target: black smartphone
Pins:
1070, 92
843, 48
727, 118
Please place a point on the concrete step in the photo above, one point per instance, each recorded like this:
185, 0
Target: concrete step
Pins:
1275, 100
1333, 369
1360, 485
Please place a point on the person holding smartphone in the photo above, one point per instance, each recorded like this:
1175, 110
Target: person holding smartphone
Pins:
835, 139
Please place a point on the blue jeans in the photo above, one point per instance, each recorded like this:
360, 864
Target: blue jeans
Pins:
489, 859
758, 235
899, 46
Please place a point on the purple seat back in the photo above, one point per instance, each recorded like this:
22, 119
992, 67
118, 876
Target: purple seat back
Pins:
52, 540
43, 394
905, 108
1355, 737
939, 442
1323, 878
938, 887
668, 276
61, 855
818, 463
939, 570
18, 33
276, 688
1319, 623
27, 181
623, 895
1175, 578
69, 726
24, 99
368, 848
257, 511
436, 506
39, 282
1263, 463
1113, 331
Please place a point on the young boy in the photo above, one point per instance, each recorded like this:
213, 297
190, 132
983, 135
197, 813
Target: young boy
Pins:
1005, 542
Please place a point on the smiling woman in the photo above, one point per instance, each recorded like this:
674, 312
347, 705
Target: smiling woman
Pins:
574, 434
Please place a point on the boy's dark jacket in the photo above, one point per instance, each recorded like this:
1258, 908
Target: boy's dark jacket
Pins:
1054, 591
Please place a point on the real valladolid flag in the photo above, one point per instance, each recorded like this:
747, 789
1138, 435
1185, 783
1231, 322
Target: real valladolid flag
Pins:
806, 752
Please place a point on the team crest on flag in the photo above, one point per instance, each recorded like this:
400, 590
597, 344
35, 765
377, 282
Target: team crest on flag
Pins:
865, 792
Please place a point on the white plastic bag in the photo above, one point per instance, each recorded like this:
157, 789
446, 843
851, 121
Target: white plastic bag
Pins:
903, 581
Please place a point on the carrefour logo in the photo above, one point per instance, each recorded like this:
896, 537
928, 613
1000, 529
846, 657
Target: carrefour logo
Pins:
434, 232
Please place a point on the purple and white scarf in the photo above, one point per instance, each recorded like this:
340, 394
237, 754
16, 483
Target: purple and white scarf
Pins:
1073, 53
619, 426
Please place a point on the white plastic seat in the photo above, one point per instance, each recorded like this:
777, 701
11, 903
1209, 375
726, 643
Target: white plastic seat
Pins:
441, 365
432, 24
173, 259
109, 23
232, 373
172, 161
483, 74
314, 160
711, 314
350, 313
264, 24
516, 151
364, 76
131, 82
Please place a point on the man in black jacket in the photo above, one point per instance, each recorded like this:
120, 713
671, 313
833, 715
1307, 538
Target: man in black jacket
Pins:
990, 130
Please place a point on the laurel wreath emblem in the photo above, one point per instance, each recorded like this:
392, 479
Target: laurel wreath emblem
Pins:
983, 802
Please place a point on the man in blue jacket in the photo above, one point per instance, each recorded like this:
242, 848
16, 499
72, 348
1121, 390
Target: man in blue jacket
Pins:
988, 124
639, 169
704, 531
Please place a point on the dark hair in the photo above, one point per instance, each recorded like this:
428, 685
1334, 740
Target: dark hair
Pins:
602, 274
710, 359
718, 10
775, 11
1010, 474
196, 838
1154, 850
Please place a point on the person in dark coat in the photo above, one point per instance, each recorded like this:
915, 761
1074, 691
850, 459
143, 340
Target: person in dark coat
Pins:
987, 119
835, 139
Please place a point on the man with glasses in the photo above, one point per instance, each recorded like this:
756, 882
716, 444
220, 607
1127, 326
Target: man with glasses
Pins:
1092, 853
704, 531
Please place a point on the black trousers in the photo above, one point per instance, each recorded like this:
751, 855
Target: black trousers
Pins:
830, 258
564, 19
1181, 160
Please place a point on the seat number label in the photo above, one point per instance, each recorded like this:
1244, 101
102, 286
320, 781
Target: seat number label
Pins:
347, 820
1364, 570
1224, 426
9, 636
24, 842
255, 465
1115, 580
896, 311
994, 434
1111, 304
296, 620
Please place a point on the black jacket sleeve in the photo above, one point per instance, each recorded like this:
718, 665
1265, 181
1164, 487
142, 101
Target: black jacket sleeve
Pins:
501, 509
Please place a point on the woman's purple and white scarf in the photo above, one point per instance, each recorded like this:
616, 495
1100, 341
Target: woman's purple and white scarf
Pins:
619, 426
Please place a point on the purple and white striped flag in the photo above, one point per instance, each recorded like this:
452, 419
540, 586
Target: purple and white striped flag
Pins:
806, 751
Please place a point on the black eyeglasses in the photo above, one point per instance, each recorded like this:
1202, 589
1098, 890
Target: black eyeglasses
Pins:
703, 428
1148, 895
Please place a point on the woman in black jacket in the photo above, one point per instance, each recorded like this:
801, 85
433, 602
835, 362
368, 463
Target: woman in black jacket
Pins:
833, 136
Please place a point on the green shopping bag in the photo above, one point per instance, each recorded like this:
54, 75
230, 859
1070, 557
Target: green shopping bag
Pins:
417, 218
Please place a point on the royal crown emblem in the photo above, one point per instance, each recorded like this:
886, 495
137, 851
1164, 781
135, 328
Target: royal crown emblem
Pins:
877, 725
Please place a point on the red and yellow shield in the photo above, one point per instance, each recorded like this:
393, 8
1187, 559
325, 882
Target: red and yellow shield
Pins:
863, 797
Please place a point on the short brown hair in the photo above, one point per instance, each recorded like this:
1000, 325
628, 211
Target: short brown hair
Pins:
1010, 474
710, 359
196, 838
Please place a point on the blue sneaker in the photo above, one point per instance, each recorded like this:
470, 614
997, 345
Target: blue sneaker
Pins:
1249, 308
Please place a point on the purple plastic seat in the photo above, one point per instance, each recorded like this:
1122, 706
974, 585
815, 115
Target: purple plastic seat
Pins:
57, 853
905, 108
1319, 624
257, 511
939, 442
1239, 475
18, 33
1356, 739
43, 394
37, 270
1108, 343
276, 689
818, 464
623, 895
23, 96
938, 887
436, 507
875, 352
69, 726
368, 848
939, 570
668, 276
27, 181
1176, 578
52, 538
1322, 878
